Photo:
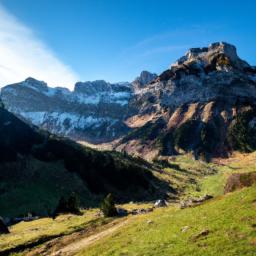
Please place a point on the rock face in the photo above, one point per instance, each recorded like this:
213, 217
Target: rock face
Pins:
93, 112
200, 104
142, 80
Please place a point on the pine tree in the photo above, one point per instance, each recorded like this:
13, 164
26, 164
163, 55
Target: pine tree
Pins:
69, 205
108, 206
73, 203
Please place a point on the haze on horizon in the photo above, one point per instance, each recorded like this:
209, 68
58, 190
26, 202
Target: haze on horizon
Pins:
62, 43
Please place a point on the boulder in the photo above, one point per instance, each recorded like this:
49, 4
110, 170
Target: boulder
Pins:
184, 229
122, 212
194, 201
202, 198
160, 203
141, 211
239, 180
203, 233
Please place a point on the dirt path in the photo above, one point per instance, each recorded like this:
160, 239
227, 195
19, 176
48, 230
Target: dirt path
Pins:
76, 246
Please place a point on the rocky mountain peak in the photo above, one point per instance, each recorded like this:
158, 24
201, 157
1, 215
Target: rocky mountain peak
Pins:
214, 48
32, 82
145, 77
219, 55
142, 80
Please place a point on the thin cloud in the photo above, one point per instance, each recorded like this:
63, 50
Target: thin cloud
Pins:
168, 40
23, 55
164, 49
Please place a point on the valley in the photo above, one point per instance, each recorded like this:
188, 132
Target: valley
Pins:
162, 165
170, 227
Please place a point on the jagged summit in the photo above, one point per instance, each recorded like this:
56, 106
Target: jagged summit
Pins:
206, 61
145, 77
142, 80
218, 54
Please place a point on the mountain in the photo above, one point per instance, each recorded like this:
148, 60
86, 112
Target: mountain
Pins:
93, 112
205, 103
37, 168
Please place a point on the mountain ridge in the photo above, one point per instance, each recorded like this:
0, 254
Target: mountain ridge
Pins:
209, 91
94, 111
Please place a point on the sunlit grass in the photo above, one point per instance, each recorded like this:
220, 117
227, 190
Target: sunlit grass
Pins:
25, 232
230, 222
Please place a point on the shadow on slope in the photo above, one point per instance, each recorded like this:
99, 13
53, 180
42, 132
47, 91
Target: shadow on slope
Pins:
36, 168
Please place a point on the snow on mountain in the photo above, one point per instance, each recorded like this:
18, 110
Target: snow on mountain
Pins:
95, 111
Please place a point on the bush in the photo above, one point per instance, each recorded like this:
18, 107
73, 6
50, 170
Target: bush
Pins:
108, 206
68, 205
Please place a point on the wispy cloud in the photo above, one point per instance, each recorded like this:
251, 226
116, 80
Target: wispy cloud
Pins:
174, 40
22, 55
164, 49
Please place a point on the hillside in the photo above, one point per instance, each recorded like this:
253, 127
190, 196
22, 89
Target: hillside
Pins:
208, 229
37, 168
210, 93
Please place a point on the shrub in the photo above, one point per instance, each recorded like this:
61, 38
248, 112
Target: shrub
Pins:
68, 205
108, 206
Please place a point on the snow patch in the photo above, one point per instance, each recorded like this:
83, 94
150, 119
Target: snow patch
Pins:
66, 122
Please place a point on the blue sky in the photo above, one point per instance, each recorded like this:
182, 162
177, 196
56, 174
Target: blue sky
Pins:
116, 39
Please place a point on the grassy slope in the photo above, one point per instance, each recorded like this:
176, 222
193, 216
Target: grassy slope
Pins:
28, 232
25, 233
230, 220
238, 163
169, 220
196, 178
